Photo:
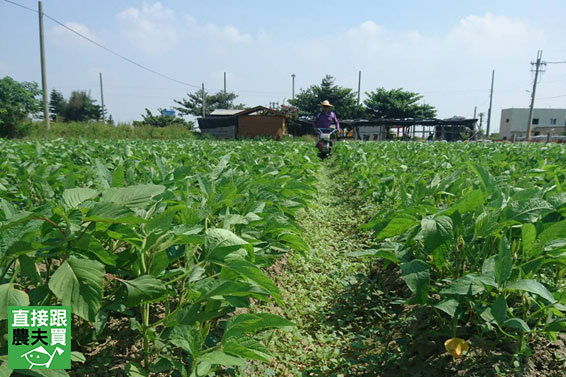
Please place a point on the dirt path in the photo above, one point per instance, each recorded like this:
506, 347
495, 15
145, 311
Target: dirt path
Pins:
327, 294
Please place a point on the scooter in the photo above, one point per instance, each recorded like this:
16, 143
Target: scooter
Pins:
324, 143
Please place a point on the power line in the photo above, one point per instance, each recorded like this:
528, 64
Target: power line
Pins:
21, 6
106, 48
560, 96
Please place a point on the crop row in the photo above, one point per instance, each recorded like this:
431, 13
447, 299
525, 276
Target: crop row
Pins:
172, 235
478, 232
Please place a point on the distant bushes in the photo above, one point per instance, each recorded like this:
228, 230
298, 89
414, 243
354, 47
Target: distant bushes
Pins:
99, 130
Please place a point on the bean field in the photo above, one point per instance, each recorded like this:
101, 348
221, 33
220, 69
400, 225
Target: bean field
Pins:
198, 258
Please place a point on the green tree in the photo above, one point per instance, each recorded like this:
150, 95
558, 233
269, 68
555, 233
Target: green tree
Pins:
161, 120
57, 104
192, 105
343, 99
397, 104
81, 107
18, 101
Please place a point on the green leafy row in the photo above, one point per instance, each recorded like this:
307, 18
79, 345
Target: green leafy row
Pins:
478, 231
172, 235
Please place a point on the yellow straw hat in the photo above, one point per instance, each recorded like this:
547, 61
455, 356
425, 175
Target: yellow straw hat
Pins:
325, 103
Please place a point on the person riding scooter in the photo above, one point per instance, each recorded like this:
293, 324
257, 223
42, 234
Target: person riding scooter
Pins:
326, 118
325, 124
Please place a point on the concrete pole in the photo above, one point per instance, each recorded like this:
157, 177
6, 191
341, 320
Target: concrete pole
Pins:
224, 82
359, 85
43, 70
490, 103
533, 93
203, 102
102, 98
293, 86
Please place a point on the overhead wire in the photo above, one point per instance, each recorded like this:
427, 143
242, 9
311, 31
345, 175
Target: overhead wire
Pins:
106, 48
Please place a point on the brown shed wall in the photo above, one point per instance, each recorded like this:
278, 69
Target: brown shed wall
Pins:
261, 125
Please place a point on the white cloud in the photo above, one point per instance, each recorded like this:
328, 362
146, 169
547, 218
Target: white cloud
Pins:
154, 28
64, 37
151, 29
227, 33
494, 34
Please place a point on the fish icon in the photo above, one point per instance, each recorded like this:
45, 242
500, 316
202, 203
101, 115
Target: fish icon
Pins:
38, 356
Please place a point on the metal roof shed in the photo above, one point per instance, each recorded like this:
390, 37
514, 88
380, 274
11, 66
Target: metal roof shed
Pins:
252, 122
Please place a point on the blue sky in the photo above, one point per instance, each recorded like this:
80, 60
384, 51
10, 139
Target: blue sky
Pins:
442, 49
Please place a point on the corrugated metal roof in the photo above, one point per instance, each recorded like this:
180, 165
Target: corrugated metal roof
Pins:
225, 112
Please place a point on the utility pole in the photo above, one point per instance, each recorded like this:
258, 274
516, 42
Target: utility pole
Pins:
224, 83
475, 124
203, 102
490, 103
43, 71
293, 86
102, 99
481, 122
537, 65
359, 85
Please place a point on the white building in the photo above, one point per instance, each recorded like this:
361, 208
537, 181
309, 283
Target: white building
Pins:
515, 121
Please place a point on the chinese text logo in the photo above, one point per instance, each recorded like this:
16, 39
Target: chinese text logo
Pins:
39, 337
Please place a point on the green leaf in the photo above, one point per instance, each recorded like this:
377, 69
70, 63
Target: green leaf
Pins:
464, 286
487, 224
9, 296
134, 369
247, 348
221, 242
78, 357
448, 306
482, 173
532, 286
78, 283
249, 323
526, 211
161, 223
294, 241
503, 262
518, 324
159, 262
188, 338
558, 325
469, 202
528, 234
221, 358
499, 309
89, 244
554, 232
377, 253
254, 274
73, 197
138, 196
417, 275
144, 289
233, 289
4, 370
112, 213
436, 231
221, 166
118, 176
398, 225
28, 268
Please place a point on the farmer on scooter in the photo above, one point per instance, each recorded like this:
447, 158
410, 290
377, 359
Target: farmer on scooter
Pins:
325, 122
326, 118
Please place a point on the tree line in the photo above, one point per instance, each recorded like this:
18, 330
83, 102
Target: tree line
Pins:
20, 100
381, 103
